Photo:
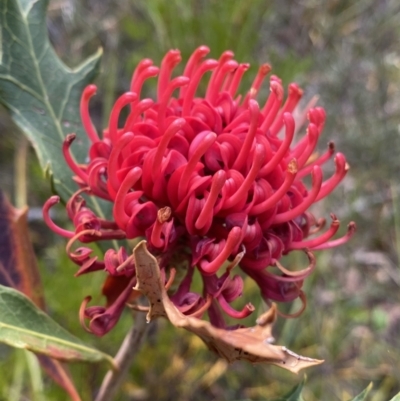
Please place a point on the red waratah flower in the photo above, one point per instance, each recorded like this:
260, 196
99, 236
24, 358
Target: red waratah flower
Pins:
210, 182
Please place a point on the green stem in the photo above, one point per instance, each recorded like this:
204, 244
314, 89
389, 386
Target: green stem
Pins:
396, 215
110, 82
20, 158
18, 377
35, 374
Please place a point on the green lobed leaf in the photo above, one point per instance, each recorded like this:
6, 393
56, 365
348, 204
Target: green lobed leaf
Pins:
363, 395
23, 325
396, 397
40, 91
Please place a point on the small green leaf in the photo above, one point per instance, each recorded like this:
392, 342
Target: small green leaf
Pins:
363, 395
396, 397
294, 394
41, 93
23, 325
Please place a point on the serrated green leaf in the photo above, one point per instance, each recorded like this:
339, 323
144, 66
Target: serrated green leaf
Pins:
396, 397
23, 325
363, 395
40, 91
294, 394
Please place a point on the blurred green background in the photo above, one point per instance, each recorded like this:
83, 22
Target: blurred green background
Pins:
345, 51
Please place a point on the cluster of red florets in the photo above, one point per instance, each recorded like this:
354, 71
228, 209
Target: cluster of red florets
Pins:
214, 180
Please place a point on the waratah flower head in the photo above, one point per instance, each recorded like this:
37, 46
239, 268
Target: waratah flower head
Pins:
210, 182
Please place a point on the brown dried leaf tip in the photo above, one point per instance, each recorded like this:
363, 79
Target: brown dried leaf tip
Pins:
253, 344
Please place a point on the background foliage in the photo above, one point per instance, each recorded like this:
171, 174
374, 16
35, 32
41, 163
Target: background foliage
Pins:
345, 51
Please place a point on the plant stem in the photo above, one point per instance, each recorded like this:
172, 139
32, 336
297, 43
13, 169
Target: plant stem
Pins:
20, 161
124, 358
15, 393
396, 215
35, 374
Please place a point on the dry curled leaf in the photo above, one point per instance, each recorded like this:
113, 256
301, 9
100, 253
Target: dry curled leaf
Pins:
253, 344
18, 265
